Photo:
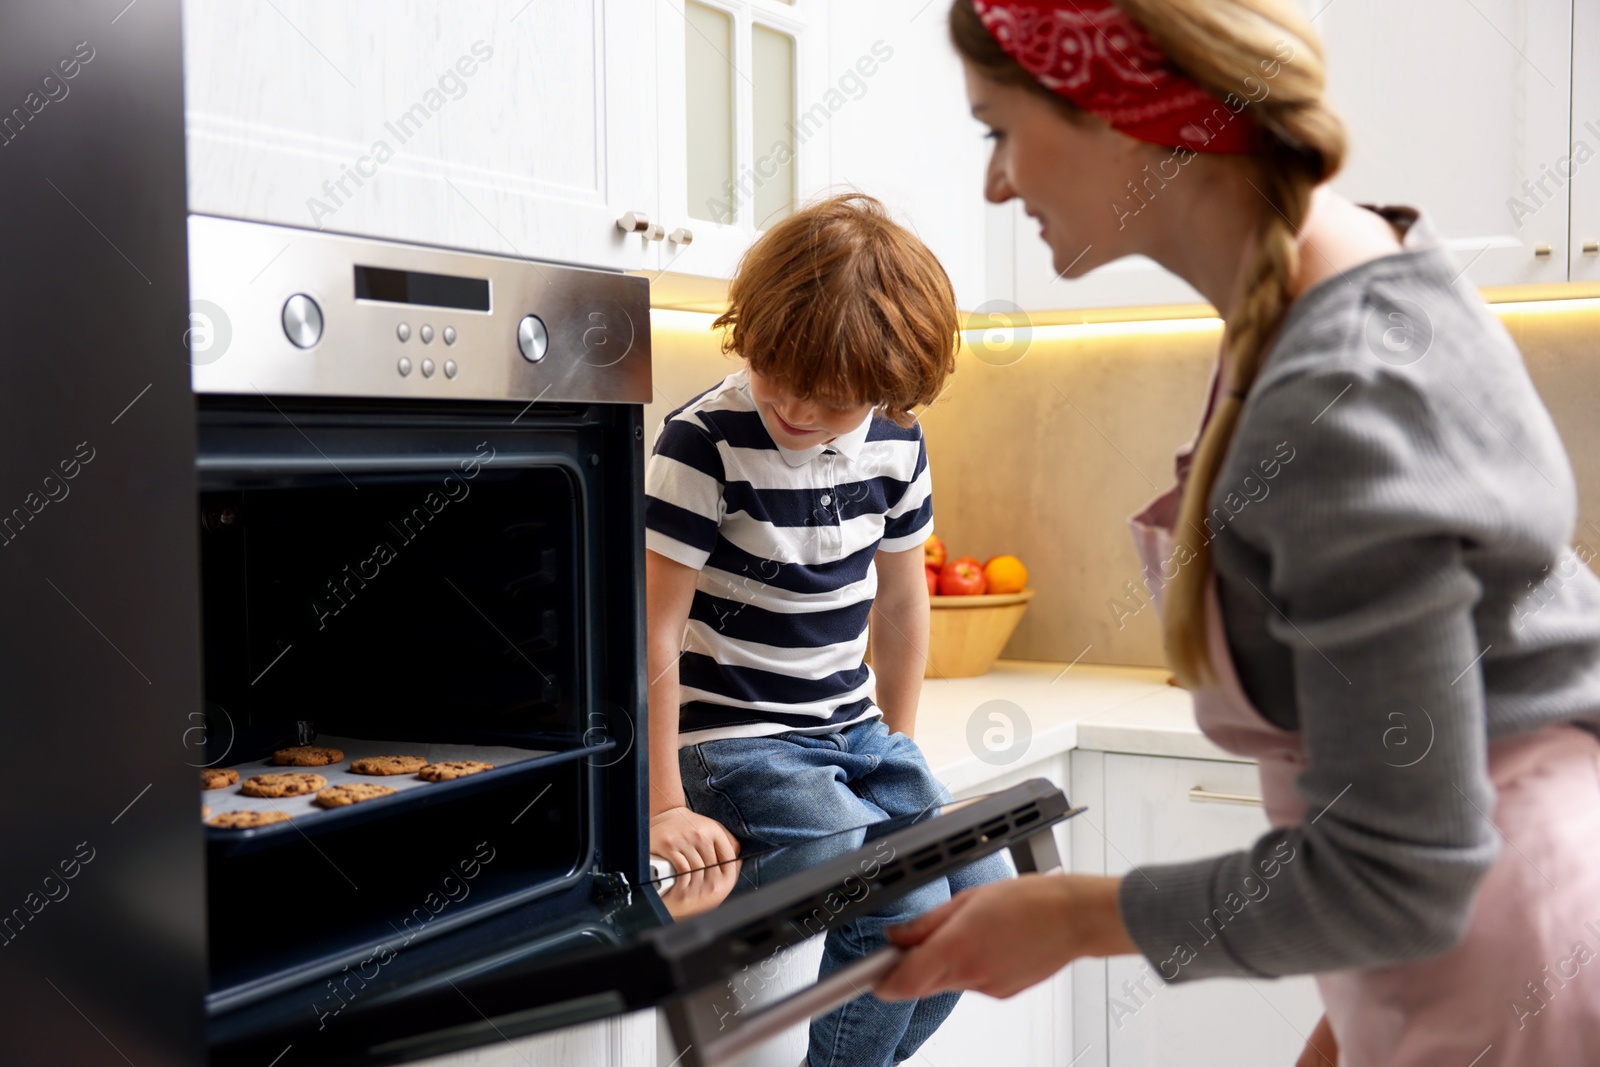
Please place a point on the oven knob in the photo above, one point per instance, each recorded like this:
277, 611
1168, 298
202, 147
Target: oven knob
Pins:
302, 320
532, 338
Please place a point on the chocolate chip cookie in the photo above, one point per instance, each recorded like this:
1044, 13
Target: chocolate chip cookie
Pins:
338, 796
307, 756
217, 778
246, 820
388, 765
456, 768
290, 784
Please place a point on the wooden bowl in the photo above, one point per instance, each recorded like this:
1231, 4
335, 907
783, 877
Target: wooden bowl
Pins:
968, 632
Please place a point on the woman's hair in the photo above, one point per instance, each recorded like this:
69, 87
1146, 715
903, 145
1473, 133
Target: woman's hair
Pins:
1228, 47
840, 304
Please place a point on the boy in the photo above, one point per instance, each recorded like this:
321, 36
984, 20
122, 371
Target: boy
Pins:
784, 506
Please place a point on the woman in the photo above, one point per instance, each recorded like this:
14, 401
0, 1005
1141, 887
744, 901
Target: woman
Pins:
1398, 633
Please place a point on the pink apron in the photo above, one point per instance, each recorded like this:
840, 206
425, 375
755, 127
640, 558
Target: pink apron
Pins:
1523, 987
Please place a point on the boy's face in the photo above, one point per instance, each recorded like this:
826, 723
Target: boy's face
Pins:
800, 424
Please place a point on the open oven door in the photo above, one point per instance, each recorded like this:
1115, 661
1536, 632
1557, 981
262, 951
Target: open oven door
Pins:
531, 970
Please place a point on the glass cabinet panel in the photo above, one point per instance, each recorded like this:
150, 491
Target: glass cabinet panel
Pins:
772, 122
709, 68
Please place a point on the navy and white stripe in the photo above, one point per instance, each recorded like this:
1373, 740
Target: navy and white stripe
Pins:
784, 543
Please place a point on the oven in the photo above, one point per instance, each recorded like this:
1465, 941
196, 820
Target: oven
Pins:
419, 512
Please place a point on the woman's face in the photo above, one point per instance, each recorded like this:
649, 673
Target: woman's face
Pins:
1071, 175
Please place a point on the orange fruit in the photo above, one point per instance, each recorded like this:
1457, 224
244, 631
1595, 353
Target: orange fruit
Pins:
1005, 574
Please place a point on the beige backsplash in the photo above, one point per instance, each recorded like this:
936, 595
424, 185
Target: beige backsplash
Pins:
1047, 456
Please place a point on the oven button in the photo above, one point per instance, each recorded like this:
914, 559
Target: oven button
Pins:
403, 331
426, 333
449, 368
302, 321
404, 366
532, 338
449, 335
427, 368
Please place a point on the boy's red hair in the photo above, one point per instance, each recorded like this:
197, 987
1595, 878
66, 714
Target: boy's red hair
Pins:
840, 304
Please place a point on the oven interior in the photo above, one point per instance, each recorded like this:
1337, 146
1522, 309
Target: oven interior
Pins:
429, 611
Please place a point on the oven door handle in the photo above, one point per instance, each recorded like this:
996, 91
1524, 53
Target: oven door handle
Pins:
840, 987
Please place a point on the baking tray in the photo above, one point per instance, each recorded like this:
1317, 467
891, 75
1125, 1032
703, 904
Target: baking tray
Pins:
306, 817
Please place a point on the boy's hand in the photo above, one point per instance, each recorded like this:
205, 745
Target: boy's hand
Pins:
689, 841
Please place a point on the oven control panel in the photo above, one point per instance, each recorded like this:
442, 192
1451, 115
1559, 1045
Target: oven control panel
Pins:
280, 311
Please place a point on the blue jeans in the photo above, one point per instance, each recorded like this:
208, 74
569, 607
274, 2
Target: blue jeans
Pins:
790, 788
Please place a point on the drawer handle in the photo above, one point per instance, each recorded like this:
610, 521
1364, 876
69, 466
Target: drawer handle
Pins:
634, 222
1206, 796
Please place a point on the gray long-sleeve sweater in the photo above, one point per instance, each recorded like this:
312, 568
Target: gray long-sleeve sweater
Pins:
1402, 591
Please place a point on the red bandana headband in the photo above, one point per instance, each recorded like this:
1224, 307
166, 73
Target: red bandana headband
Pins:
1093, 54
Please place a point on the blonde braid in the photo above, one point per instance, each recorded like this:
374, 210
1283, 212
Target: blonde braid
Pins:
1266, 296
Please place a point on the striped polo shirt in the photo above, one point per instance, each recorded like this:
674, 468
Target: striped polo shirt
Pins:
784, 542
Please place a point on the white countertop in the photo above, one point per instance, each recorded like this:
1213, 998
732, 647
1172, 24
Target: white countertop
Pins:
1032, 711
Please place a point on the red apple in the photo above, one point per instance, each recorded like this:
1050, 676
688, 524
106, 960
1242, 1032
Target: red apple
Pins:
961, 577
968, 559
933, 554
933, 579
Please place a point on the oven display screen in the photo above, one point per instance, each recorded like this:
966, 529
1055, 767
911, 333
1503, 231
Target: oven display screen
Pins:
415, 287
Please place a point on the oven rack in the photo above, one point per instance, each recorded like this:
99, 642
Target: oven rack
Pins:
306, 819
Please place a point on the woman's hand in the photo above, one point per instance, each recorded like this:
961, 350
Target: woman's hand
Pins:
1001, 938
1321, 1049
689, 841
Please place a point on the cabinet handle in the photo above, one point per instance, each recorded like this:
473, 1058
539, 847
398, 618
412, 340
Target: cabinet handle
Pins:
634, 222
681, 236
655, 232
1201, 795
1591, 248
1541, 251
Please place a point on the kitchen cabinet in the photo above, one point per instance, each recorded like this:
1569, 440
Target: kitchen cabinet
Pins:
902, 132
521, 128
744, 104
1463, 111
626, 1041
1150, 809
1583, 166
1470, 113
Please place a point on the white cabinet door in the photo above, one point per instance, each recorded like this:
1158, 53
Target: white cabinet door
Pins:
902, 132
625, 1041
523, 128
1461, 109
1150, 817
1584, 165
744, 105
